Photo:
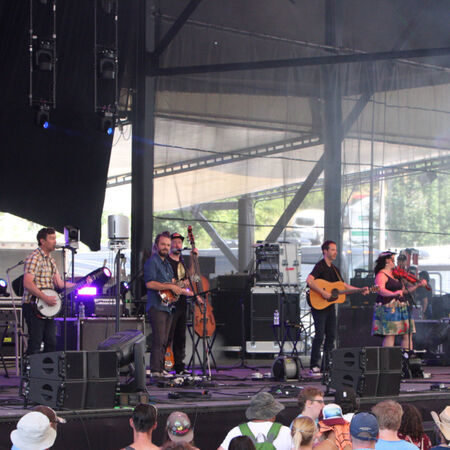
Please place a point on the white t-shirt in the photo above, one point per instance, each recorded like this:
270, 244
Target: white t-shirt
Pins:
260, 429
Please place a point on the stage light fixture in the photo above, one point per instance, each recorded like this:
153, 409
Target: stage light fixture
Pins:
3, 286
106, 64
43, 54
107, 122
43, 116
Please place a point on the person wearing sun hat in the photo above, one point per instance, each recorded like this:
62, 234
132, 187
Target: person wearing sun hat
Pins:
34, 432
442, 421
334, 428
261, 425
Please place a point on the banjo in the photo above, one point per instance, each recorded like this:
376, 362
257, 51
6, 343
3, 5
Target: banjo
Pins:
46, 311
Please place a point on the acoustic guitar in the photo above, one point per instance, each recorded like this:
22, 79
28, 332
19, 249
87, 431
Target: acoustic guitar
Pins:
338, 293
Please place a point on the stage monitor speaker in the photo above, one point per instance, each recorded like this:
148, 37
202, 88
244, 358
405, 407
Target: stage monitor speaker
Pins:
371, 371
73, 365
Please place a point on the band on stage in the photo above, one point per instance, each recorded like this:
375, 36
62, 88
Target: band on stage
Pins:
172, 286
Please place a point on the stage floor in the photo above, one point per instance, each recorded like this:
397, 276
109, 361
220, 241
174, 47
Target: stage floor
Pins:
215, 406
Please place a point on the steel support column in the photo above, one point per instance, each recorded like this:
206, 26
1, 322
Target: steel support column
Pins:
246, 231
332, 133
142, 160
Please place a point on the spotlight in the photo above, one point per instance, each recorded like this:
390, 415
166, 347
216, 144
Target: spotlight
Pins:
43, 54
107, 64
107, 122
43, 116
3, 286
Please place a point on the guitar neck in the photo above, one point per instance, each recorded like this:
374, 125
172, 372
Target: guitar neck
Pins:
350, 291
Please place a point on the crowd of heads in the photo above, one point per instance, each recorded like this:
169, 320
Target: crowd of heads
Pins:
316, 421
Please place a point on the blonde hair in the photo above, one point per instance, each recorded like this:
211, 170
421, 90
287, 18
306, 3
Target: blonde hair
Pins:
303, 431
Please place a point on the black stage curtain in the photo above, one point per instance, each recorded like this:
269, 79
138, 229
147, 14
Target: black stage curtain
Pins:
54, 177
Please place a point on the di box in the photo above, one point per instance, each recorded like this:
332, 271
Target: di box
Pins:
58, 393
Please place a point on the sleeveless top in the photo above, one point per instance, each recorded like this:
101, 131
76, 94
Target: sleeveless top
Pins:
392, 285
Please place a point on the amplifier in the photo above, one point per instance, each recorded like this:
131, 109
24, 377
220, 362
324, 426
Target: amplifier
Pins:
106, 307
86, 334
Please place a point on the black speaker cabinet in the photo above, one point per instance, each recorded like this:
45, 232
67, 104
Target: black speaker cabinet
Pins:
75, 394
73, 365
371, 371
356, 323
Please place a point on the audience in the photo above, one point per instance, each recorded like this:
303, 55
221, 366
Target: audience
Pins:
143, 422
310, 402
364, 431
389, 416
34, 432
262, 427
179, 429
442, 422
334, 430
303, 431
241, 443
411, 428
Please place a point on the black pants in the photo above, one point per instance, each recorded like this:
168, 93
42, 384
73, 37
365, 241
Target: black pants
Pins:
39, 330
160, 322
177, 335
324, 326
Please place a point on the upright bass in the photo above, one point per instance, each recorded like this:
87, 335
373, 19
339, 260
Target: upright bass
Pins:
203, 320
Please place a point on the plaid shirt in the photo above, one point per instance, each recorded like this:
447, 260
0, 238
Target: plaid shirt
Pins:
43, 268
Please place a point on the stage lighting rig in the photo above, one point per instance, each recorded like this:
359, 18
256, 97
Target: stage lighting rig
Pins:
107, 122
106, 64
42, 118
44, 54
3, 288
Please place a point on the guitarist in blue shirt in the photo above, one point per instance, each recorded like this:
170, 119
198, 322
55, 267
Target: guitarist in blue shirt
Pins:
325, 319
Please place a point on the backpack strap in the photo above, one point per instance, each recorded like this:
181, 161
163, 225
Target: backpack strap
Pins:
273, 432
245, 430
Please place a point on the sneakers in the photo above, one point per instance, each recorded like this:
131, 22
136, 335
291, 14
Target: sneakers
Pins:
183, 372
315, 371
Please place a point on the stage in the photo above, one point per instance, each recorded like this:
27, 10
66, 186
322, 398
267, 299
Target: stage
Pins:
214, 406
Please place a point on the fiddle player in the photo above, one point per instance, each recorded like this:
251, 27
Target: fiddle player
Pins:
391, 315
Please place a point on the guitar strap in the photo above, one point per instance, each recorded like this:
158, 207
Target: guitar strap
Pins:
337, 272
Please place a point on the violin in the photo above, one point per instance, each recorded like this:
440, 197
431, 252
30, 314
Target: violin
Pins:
408, 276
204, 321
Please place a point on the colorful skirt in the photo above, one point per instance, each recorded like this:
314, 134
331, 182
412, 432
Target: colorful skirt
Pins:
392, 319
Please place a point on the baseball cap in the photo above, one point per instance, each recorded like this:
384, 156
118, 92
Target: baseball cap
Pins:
364, 426
179, 427
332, 415
176, 236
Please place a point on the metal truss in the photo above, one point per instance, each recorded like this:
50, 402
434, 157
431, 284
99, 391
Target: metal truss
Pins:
219, 159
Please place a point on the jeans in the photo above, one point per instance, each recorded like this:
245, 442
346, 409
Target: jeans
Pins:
160, 322
325, 326
177, 335
39, 330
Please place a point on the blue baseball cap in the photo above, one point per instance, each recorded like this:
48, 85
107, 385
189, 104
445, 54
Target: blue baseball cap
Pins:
364, 426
